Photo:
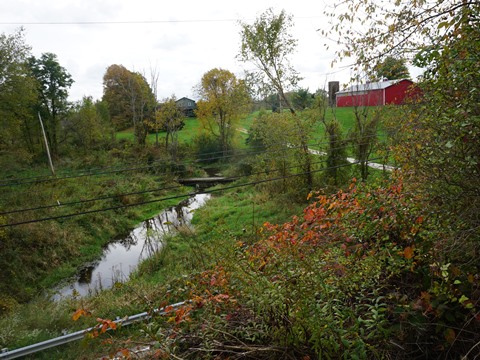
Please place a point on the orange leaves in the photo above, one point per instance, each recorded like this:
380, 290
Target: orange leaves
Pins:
168, 309
372, 216
178, 315
102, 327
125, 353
311, 214
183, 314
408, 252
79, 313
105, 324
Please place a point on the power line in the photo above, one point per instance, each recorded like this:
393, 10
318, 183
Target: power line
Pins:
77, 202
172, 197
38, 179
119, 22
133, 22
58, 205
99, 171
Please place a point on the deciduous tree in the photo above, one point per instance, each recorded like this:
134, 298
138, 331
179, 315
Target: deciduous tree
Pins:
170, 118
391, 68
18, 93
267, 43
223, 98
87, 125
398, 29
130, 100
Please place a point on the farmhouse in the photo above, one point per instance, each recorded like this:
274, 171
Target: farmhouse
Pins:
188, 106
375, 93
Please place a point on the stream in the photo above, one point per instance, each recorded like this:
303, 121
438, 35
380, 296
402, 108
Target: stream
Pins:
121, 257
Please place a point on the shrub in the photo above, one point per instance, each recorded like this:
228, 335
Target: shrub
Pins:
208, 148
357, 276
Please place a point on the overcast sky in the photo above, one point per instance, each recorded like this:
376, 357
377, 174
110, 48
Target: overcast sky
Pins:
181, 39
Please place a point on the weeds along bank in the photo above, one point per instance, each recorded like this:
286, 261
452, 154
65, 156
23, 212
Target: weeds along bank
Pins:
37, 255
227, 218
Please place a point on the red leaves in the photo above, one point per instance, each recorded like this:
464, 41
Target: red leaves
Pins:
313, 214
370, 218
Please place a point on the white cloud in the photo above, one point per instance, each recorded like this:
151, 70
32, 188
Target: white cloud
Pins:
188, 39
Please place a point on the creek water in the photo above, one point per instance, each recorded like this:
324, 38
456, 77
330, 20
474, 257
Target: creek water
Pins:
121, 257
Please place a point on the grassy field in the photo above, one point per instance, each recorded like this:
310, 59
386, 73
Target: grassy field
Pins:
191, 128
344, 115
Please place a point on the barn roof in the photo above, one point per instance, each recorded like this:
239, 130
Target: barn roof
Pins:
380, 85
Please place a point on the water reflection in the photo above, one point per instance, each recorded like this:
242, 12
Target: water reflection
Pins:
121, 257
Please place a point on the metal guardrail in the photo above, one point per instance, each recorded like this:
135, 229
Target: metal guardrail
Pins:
65, 339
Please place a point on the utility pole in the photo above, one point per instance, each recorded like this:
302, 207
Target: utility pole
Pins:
46, 145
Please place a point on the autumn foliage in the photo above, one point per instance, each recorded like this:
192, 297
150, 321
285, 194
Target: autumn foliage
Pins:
361, 274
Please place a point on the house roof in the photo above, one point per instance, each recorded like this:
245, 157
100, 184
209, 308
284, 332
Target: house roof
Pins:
380, 85
184, 98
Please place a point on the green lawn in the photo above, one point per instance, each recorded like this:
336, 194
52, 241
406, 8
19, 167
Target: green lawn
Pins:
125, 135
191, 128
344, 115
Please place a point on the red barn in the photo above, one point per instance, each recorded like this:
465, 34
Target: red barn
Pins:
375, 93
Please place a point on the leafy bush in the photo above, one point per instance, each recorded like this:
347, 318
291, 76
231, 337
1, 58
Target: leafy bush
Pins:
208, 148
357, 276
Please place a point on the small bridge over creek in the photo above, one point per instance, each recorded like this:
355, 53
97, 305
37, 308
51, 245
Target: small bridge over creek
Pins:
205, 182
